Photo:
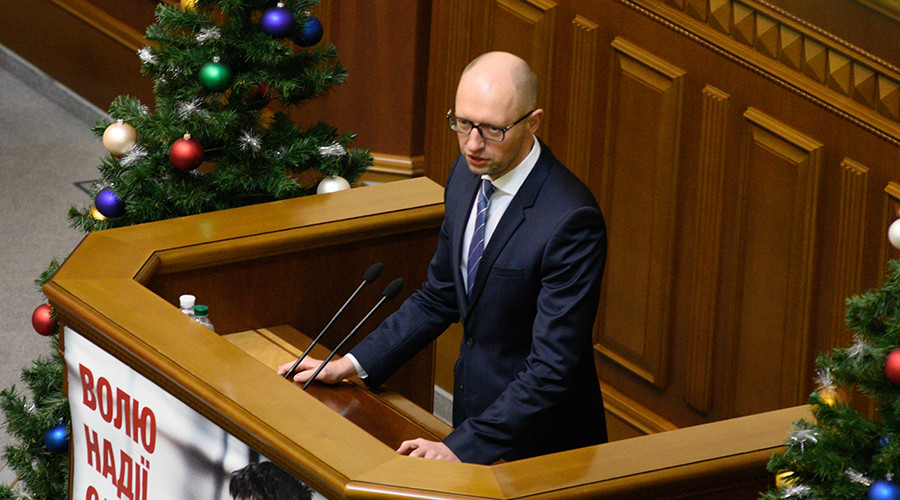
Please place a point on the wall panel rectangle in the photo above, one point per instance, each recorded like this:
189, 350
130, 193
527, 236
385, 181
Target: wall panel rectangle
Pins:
778, 195
638, 198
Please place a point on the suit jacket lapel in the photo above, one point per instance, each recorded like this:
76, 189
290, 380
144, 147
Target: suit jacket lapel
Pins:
512, 219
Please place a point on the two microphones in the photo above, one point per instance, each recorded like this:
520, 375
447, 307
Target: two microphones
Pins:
389, 292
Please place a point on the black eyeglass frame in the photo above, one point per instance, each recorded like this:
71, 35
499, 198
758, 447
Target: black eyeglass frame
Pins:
451, 118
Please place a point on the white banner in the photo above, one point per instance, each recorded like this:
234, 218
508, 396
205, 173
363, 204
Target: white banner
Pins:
131, 439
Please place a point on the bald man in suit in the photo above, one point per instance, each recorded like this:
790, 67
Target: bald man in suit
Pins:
519, 262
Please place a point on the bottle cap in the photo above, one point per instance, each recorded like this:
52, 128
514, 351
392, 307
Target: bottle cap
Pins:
201, 310
187, 301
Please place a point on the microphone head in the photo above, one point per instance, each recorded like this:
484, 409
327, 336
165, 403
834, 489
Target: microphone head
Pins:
393, 288
373, 272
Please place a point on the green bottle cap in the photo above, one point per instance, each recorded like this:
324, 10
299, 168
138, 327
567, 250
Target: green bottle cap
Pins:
201, 310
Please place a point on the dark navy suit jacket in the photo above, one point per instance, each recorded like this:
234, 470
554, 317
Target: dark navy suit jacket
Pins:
525, 382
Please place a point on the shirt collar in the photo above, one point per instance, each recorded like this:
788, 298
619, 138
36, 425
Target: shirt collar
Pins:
511, 181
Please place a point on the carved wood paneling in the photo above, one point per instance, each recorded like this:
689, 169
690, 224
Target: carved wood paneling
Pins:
582, 96
835, 74
778, 193
707, 250
638, 198
851, 232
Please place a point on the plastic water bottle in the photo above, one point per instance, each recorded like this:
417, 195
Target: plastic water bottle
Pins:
201, 314
186, 302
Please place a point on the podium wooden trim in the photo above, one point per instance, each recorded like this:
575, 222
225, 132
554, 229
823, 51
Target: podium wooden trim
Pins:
101, 291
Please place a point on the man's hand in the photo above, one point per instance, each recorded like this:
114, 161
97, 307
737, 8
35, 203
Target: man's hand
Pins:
427, 449
335, 371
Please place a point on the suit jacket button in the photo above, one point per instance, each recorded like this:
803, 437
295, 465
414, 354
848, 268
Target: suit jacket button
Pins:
470, 342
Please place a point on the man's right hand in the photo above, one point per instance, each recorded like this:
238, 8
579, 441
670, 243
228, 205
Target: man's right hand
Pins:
335, 371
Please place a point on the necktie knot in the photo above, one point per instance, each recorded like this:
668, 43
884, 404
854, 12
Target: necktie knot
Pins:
487, 189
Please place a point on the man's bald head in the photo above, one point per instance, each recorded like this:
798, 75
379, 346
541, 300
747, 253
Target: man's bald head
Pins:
503, 68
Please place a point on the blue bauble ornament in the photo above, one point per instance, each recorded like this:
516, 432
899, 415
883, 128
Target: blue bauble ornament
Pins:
56, 439
884, 489
109, 204
310, 33
277, 22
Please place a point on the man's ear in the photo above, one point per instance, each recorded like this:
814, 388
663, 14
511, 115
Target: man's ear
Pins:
535, 120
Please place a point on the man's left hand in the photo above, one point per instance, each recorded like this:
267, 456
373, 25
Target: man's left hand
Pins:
427, 449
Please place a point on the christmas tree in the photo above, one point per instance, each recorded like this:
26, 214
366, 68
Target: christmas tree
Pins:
226, 74
845, 452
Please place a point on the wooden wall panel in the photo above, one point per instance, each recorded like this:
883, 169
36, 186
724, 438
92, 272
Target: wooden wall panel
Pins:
639, 200
778, 194
527, 28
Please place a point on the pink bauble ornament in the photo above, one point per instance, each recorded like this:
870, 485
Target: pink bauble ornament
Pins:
43, 320
186, 153
892, 366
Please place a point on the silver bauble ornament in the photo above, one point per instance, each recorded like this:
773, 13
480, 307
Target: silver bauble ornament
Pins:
331, 184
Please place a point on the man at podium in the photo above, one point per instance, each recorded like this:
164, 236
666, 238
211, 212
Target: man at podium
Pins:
519, 261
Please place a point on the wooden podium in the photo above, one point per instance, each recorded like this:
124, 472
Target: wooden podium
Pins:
268, 273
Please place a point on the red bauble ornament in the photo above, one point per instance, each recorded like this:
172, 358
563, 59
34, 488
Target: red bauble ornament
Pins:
892, 366
186, 153
43, 321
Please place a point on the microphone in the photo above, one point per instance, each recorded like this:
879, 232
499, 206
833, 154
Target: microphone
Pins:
371, 275
390, 291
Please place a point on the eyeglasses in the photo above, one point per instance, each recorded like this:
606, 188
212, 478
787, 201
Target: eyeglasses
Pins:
488, 132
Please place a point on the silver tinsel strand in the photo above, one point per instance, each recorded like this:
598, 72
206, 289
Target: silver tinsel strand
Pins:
332, 150
857, 477
824, 379
859, 349
796, 491
133, 157
209, 33
192, 107
249, 140
146, 56
801, 437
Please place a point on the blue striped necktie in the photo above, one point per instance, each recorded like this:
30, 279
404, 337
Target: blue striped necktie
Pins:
476, 248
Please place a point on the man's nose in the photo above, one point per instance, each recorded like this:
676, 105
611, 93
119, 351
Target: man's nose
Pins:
474, 140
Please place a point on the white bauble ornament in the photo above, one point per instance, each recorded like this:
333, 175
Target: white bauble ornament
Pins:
894, 233
332, 184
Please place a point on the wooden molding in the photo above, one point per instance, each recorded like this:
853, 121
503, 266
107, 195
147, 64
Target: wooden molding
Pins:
633, 413
806, 60
707, 250
582, 97
398, 165
851, 229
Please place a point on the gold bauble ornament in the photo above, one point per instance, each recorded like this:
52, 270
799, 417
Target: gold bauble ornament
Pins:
119, 138
189, 4
832, 396
784, 479
96, 214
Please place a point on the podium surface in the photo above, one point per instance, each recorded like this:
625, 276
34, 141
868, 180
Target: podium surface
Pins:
271, 271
